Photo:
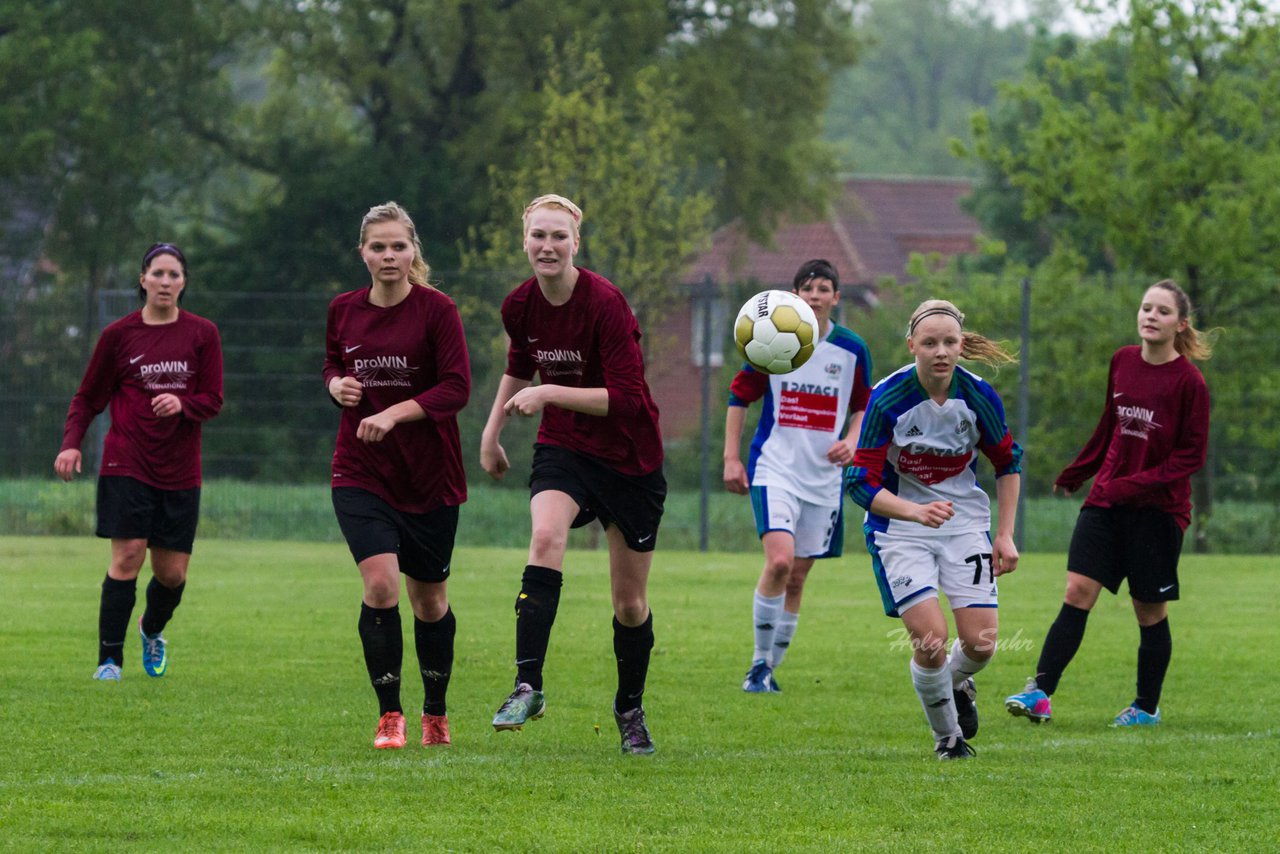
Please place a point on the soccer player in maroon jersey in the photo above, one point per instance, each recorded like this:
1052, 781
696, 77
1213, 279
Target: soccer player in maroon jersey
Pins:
396, 362
1153, 435
598, 456
160, 370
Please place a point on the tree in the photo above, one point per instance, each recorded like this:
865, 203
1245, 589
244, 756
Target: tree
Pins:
925, 67
1160, 141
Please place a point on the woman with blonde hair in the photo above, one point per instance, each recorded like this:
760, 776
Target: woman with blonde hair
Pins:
598, 456
1152, 436
928, 522
396, 363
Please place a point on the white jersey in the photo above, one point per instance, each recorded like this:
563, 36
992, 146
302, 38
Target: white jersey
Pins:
804, 413
922, 451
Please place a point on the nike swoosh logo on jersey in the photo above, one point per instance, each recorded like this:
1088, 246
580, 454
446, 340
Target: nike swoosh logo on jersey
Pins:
135, 359
1117, 394
532, 339
352, 349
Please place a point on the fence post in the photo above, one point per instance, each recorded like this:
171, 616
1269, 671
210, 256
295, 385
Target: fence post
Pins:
1024, 405
705, 299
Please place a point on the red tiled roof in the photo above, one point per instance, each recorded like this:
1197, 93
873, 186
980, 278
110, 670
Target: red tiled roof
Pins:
872, 229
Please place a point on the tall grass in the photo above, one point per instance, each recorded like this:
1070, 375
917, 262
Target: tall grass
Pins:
259, 738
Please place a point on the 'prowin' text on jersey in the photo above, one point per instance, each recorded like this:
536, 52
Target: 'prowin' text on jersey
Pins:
133, 363
591, 341
413, 350
1152, 436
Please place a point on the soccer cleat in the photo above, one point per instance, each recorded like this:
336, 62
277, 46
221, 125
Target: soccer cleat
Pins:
1032, 704
155, 654
390, 734
524, 704
1133, 716
954, 747
760, 679
108, 671
435, 730
634, 732
966, 697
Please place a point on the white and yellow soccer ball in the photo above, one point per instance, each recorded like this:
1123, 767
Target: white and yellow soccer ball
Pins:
776, 331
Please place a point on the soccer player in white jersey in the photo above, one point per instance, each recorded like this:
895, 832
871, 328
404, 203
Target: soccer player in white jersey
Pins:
806, 434
928, 521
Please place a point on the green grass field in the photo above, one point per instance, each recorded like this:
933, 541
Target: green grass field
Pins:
259, 738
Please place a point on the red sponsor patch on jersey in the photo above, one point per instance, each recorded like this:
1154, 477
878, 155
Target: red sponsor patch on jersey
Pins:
932, 468
807, 411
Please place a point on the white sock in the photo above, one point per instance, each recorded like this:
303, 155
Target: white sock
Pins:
782, 635
962, 666
933, 687
765, 612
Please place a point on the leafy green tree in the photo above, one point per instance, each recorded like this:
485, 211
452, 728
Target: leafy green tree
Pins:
1160, 140
926, 66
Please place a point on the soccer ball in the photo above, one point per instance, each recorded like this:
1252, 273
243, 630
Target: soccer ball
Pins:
775, 331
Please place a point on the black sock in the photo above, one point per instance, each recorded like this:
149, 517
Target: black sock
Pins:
535, 613
114, 611
1154, 651
434, 642
383, 652
631, 646
1060, 646
161, 603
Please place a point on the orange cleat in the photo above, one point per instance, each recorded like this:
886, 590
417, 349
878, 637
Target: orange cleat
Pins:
435, 730
390, 731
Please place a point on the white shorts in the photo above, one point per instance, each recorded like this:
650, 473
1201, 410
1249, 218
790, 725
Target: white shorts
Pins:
818, 529
910, 570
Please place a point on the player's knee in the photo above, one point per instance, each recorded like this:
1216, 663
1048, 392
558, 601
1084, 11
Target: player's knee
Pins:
547, 540
631, 611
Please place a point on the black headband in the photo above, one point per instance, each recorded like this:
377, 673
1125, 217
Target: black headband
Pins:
931, 311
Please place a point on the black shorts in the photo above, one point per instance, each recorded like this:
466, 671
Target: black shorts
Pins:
422, 542
129, 509
631, 502
1141, 544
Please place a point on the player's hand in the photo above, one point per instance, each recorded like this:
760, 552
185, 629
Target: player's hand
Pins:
493, 459
376, 427
934, 514
841, 452
1004, 555
1062, 490
346, 390
67, 464
527, 401
166, 405
735, 477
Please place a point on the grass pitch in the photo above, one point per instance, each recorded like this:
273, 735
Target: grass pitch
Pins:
259, 737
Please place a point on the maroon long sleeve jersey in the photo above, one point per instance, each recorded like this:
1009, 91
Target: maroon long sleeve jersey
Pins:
1153, 435
592, 341
133, 363
414, 350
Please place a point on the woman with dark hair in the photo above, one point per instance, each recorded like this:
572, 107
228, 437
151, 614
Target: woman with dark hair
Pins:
160, 370
807, 433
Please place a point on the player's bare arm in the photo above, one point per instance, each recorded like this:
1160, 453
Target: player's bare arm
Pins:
532, 400
376, 427
493, 457
735, 473
931, 515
